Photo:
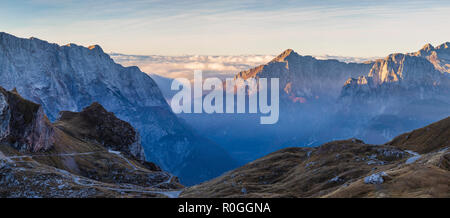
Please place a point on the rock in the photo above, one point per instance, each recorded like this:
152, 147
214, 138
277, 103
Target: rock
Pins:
97, 124
23, 123
444, 162
336, 179
376, 178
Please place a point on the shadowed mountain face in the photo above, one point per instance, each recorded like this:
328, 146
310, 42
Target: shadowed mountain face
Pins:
401, 92
71, 77
415, 164
309, 89
94, 123
324, 100
305, 78
87, 154
24, 124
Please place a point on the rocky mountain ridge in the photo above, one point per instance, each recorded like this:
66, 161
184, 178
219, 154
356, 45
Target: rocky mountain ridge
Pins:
88, 154
71, 77
421, 75
439, 56
305, 77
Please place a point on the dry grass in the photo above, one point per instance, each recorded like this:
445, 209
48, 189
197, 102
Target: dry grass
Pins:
426, 139
338, 169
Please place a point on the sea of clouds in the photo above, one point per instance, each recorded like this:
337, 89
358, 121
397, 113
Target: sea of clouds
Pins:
184, 66
212, 66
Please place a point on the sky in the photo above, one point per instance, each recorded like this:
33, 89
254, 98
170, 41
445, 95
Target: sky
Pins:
233, 27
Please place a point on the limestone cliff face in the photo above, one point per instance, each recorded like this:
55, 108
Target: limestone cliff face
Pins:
439, 56
401, 67
401, 92
23, 124
72, 77
305, 77
418, 75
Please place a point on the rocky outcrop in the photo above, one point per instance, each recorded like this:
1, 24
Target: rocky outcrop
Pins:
96, 124
23, 124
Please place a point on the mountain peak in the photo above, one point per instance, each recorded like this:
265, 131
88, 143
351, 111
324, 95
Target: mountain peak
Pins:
428, 47
96, 123
95, 48
286, 53
444, 45
436, 55
95, 107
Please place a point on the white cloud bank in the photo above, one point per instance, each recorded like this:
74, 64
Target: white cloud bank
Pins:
217, 66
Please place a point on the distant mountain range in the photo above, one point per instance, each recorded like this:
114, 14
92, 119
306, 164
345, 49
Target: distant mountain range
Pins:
71, 77
306, 77
400, 92
309, 78
324, 100
415, 75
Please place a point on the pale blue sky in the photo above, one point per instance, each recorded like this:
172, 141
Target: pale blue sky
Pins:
349, 28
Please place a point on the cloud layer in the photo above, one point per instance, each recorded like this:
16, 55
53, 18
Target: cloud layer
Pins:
212, 66
184, 66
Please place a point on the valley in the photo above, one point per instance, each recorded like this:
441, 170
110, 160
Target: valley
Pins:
76, 124
408, 166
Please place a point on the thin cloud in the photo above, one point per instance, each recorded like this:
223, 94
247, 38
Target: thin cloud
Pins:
366, 28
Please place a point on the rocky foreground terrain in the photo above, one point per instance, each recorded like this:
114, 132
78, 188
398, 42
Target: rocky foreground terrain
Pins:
415, 164
90, 153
